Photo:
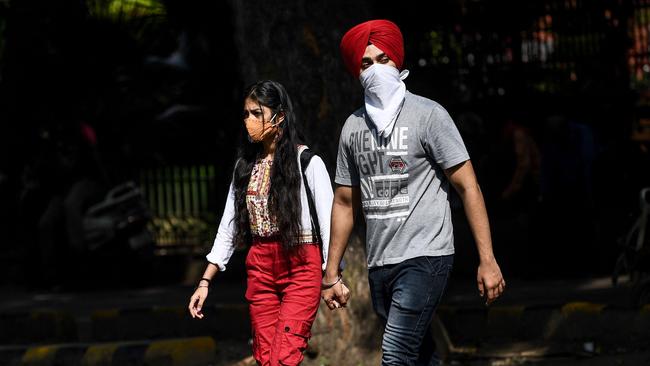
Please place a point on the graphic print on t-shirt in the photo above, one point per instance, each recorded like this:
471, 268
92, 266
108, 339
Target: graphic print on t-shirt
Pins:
383, 172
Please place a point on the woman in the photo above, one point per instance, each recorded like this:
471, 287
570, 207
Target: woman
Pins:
267, 208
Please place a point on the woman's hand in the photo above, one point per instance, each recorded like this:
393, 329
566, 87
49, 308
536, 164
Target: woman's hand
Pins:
196, 301
335, 296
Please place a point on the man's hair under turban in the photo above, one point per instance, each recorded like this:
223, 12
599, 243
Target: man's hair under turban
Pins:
384, 34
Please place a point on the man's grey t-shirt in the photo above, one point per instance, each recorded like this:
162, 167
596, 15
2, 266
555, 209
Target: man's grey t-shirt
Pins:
404, 192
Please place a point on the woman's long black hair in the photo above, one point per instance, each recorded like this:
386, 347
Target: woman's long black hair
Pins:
284, 195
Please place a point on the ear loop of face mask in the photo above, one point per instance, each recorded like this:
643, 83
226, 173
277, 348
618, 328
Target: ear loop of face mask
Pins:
275, 115
279, 131
271, 120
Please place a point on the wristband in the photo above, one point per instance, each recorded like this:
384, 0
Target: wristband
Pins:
330, 285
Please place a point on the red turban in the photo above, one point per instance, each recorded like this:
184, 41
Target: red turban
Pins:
384, 34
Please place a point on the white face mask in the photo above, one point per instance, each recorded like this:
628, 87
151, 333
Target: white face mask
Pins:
384, 95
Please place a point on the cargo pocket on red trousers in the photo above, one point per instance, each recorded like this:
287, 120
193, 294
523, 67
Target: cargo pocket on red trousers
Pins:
295, 335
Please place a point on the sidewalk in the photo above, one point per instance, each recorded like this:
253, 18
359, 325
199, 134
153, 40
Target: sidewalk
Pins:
84, 303
544, 292
460, 292
530, 320
557, 322
129, 326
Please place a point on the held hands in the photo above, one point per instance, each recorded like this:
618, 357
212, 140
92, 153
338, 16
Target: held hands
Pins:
334, 292
490, 281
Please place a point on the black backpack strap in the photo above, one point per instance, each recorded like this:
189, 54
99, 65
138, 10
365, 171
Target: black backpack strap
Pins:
305, 158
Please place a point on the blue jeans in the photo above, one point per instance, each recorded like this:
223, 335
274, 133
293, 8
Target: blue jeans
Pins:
405, 296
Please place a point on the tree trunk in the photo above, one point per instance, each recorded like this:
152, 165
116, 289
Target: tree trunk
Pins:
349, 336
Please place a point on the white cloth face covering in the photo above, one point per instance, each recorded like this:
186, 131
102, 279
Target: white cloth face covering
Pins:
384, 92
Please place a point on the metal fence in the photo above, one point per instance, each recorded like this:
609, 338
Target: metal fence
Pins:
180, 200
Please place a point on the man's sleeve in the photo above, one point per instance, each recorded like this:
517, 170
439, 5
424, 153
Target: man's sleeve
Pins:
346, 169
442, 141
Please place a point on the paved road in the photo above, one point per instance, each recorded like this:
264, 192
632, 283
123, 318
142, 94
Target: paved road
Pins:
461, 293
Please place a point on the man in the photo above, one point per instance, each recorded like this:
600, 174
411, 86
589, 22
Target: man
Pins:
397, 156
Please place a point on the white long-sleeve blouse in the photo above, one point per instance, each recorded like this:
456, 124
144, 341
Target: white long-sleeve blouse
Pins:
319, 183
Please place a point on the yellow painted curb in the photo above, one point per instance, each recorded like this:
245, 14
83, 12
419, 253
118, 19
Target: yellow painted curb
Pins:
106, 313
43, 355
582, 307
176, 310
99, 355
511, 311
645, 309
185, 352
46, 314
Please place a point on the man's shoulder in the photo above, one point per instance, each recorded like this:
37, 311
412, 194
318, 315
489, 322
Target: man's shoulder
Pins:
423, 103
359, 114
356, 118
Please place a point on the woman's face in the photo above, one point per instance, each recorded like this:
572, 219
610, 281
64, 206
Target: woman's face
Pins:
261, 122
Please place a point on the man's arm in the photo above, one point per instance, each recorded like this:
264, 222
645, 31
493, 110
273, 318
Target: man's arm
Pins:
489, 277
344, 209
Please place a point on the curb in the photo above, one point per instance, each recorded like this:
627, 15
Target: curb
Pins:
220, 321
37, 327
168, 352
105, 325
570, 322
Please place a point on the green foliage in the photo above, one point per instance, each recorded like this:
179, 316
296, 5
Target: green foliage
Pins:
125, 9
144, 20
